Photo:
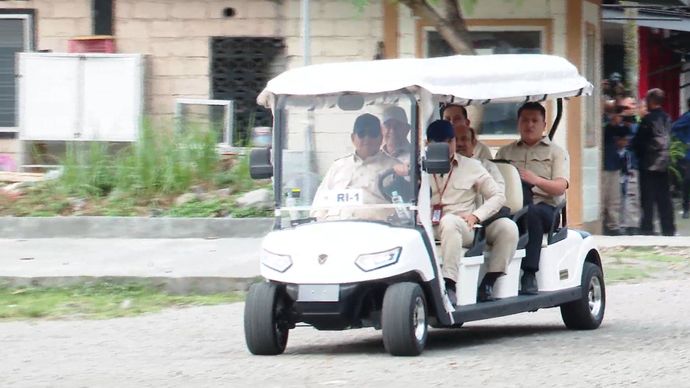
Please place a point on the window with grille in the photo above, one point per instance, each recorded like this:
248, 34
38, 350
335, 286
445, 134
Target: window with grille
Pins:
240, 69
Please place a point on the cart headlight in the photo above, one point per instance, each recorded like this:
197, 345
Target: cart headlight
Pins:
372, 261
276, 262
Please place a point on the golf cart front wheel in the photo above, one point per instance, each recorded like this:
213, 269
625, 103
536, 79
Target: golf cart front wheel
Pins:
265, 325
587, 312
404, 319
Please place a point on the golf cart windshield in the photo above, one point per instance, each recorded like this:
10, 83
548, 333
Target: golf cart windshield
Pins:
339, 158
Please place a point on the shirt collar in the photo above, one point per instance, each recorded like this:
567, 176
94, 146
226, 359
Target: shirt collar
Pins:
544, 140
398, 151
370, 159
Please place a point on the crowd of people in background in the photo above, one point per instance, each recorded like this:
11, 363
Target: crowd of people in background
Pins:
638, 171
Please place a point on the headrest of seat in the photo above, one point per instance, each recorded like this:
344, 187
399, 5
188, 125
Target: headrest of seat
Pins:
513, 186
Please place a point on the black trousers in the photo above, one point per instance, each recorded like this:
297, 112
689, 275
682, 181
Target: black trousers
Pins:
685, 184
539, 219
654, 190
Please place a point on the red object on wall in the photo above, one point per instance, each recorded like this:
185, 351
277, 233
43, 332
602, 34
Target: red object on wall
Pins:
92, 44
659, 68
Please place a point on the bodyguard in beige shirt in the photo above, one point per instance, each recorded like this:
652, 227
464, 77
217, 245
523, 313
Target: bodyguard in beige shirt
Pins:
543, 168
501, 234
359, 170
453, 200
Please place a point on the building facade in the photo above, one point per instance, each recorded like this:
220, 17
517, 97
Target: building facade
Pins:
219, 49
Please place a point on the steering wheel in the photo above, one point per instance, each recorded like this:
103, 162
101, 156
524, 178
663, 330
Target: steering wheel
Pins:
389, 182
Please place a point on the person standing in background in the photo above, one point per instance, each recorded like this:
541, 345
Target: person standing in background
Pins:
615, 140
651, 145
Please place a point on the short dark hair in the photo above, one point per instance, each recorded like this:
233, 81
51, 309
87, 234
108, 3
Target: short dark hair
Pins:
656, 96
532, 106
367, 125
446, 106
440, 131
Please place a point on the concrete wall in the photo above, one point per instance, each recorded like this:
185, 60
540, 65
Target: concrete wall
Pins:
175, 37
339, 31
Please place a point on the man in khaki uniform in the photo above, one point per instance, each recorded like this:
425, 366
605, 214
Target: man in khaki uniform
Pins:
395, 130
457, 115
543, 168
453, 200
501, 234
359, 171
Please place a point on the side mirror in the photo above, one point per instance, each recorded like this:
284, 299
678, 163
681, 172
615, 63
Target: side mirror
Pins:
260, 166
437, 160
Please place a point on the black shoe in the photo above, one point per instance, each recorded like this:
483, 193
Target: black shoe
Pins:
528, 284
686, 214
614, 232
485, 293
632, 231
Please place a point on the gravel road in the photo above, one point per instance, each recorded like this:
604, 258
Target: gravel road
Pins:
644, 341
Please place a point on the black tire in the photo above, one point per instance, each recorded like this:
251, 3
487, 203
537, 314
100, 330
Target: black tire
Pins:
587, 312
404, 319
265, 327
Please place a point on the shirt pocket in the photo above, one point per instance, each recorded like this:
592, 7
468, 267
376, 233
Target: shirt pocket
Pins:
460, 192
541, 165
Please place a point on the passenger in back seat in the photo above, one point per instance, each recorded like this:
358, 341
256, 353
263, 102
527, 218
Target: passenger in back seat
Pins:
543, 168
501, 234
453, 200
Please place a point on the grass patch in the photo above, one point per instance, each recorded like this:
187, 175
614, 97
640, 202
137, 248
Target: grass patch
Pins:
98, 301
630, 264
141, 179
625, 273
646, 254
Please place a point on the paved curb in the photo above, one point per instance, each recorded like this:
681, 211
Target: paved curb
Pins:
177, 286
132, 227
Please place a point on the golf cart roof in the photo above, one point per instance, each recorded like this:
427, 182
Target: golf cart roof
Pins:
465, 79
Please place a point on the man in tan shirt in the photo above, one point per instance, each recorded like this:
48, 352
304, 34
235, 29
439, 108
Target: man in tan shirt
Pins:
501, 234
358, 171
543, 168
395, 130
457, 115
453, 199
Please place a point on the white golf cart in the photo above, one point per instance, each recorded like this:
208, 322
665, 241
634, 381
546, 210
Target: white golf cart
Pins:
343, 259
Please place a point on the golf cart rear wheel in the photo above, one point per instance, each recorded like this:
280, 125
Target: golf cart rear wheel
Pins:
587, 312
265, 325
404, 319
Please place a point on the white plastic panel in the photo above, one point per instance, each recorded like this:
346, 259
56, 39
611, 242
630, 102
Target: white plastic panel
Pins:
112, 103
80, 96
48, 95
342, 242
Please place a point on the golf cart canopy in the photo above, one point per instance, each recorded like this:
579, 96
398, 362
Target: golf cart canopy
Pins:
464, 79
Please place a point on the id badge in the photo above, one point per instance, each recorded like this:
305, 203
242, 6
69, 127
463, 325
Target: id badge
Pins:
436, 214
